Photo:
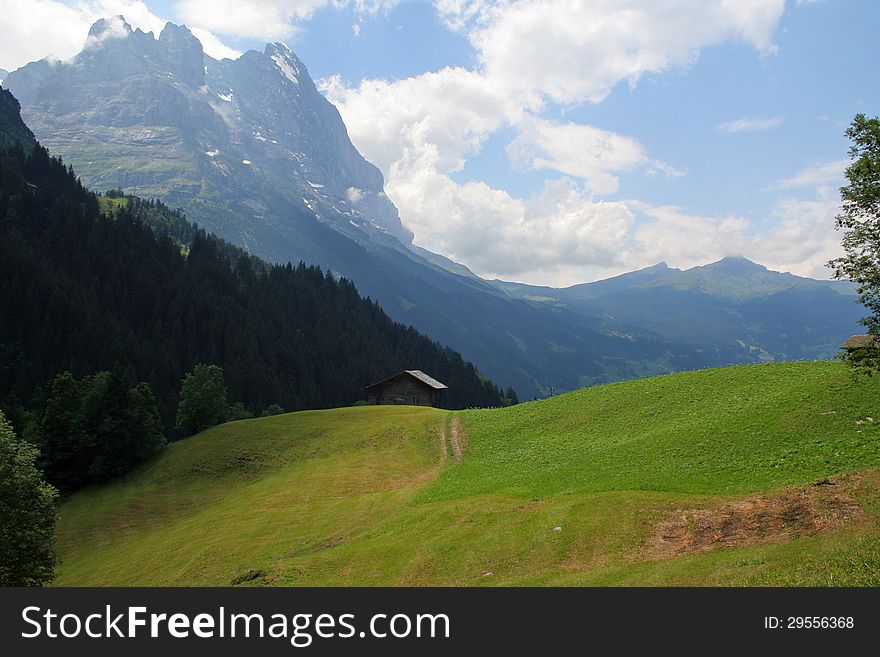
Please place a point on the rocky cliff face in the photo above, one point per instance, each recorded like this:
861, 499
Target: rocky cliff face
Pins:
240, 145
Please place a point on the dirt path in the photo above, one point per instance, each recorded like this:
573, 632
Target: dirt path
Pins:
457, 435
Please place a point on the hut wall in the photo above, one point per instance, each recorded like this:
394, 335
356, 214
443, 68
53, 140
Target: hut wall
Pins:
404, 390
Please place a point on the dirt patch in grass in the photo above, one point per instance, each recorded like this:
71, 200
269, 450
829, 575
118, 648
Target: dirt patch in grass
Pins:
789, 513
246, 577
458, 437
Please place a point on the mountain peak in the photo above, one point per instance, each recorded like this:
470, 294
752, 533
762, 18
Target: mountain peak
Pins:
184, 53
108, 28
172, 33
285, 60
736, 264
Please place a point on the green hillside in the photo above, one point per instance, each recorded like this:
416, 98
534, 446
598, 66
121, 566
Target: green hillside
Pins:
758, 474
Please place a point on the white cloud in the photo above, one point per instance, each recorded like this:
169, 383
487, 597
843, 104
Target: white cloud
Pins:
269, 20
114, 28
583, 151
260, 19
452, 111
33, 30
213, 46
751, 124
803, 238
529, 54
30, 31
135, 12
577, 150
816, 175
800, 239
559, 236
684, 240
563, 235
578, 51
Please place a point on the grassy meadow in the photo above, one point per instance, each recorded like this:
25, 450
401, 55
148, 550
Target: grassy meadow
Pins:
748, 475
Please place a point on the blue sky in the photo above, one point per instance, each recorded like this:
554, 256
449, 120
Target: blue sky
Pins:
557, 142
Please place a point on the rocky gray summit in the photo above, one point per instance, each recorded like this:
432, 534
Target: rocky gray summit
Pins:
249, 148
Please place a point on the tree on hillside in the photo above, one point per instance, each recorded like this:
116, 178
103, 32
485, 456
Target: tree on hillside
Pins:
272, 409
124, 423
67, 448
238, 411
97, 428
202, 399
27, 514
860, 219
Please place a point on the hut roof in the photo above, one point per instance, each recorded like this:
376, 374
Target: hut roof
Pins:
860, 342
417, 374
424, 378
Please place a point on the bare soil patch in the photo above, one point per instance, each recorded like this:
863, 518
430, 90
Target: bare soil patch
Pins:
457, 437
789, 513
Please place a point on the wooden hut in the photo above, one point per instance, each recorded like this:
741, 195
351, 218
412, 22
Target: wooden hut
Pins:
412, 387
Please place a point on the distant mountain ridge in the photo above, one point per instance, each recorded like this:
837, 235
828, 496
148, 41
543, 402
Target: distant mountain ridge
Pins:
734, 277
734, 307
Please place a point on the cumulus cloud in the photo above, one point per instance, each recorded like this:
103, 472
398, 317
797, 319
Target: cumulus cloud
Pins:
751, 124
800, 239
33, 30
573, 52
558, 236
452, 111
583, 151
530, 55
213, 46
803, 238
670, 233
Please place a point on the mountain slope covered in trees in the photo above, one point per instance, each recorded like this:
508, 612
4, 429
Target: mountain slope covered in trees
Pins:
87, 290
